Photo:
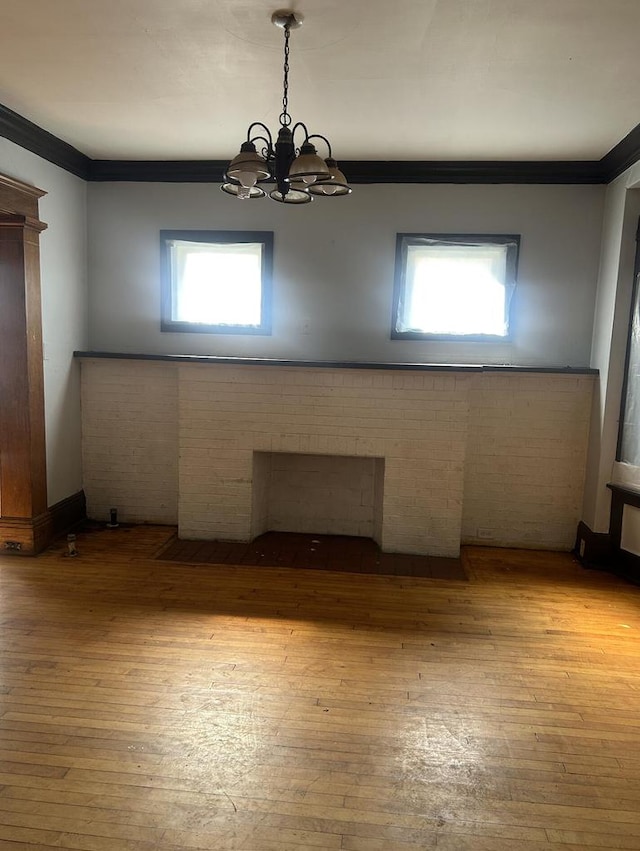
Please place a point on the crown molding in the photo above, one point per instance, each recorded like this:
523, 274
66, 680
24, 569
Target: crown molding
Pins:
363, 171
471, 171
28, 135
623, 155
158, 171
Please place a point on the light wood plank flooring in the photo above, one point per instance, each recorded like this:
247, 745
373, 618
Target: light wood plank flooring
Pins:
150, 706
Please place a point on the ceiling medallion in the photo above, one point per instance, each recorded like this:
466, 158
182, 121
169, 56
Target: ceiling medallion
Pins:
299, 173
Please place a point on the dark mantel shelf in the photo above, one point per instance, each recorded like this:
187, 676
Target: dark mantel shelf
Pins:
329, 364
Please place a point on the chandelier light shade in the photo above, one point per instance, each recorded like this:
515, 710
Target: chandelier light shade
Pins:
299, 173
248, 167
337, 185
308, 167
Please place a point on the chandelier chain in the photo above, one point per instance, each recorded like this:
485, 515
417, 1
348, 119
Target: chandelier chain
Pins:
285, 118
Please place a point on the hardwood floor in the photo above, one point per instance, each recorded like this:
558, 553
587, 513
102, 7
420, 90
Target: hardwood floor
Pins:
152, 705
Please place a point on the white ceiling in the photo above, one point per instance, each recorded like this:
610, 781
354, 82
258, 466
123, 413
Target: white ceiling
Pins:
408, 79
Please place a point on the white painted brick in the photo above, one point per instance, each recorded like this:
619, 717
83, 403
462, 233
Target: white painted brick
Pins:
525, 459
130, 433
498, 451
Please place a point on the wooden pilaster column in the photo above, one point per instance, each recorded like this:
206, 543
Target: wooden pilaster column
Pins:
24, 520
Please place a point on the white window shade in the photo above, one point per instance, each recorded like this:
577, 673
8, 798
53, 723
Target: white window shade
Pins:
216, 281
452, 288
217, 284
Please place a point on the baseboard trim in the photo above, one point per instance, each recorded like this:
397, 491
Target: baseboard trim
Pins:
29, 536
627, 565
25, 536
593, 549
68, 512
599, 551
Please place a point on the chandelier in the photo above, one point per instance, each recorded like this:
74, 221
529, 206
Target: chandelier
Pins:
299, 173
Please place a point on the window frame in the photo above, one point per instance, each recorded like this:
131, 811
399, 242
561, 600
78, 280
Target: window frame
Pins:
220, 237
404, 240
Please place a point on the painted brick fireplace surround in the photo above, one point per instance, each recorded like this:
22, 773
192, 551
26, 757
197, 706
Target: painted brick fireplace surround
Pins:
473, 454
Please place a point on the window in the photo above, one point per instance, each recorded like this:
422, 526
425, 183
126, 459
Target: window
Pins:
453, 286
628, 450
216, 282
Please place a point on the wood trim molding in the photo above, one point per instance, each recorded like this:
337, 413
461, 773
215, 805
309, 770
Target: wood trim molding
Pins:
471, 171
604, 550
34, 138
25, 535
22, 429
30, 136
364, 171
331, 364
158, 171
592, 549
18, 198
67, 513
20, 222
29, 536
622, 156
25, 522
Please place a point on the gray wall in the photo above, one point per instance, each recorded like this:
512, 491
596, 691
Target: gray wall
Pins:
64, 308
334, 266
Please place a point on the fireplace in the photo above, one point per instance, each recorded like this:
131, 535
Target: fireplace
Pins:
409, 428
320, 494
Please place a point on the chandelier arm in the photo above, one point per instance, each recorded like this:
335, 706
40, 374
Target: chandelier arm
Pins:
267, 151
262, 127
304, 128
324, 139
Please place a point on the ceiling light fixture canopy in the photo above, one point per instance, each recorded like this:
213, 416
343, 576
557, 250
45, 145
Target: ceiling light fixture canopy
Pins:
299, 173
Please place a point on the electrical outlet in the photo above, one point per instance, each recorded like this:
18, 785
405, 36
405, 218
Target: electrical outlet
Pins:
485, 533
12, 545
